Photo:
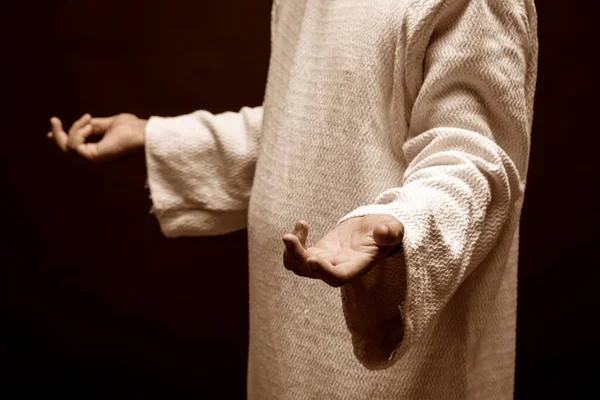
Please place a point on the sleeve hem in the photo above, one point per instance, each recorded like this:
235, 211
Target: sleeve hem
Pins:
179, 223
370, 209
176, 219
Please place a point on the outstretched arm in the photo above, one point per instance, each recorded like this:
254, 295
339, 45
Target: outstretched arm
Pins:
467, 149
200, 165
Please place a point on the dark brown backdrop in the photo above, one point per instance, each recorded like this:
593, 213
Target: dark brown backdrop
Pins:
96, 302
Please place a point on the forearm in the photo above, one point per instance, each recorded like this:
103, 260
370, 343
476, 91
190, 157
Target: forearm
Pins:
466, 154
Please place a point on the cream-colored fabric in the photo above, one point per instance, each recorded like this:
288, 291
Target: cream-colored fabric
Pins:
420, 109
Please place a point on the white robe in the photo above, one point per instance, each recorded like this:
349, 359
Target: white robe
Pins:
420, 109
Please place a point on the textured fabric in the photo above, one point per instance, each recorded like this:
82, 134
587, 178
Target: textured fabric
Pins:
420, 109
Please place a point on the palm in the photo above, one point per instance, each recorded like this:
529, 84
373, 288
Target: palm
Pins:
354, 249
348, 251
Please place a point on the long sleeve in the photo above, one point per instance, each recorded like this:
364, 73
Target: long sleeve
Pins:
201, 170
470, 75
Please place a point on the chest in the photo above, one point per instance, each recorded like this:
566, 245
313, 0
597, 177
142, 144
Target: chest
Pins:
349, 44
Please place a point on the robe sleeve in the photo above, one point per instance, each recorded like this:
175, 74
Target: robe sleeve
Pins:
201, 169
470, 76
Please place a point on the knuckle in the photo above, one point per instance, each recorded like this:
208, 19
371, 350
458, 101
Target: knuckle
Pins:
126, 116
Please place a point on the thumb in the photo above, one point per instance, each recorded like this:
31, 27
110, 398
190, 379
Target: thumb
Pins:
104, 150
388, 234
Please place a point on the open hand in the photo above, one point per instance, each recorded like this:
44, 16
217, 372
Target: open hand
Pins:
350, 250
121, 134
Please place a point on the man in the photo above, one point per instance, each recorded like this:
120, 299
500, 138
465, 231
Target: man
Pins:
395, 134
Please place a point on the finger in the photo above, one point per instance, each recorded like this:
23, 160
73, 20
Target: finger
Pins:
389, 233
56, 124
293, 247
301, 231
296, 260
290, 264
82, 121
104, 150
59, 134
390, 238
78, 135
382, 234
327, 272
89, 151
101, 125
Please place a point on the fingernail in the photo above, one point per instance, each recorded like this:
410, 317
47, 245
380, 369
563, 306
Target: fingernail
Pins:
298, 226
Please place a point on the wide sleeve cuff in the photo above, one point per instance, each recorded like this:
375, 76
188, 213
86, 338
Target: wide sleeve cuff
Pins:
200, 170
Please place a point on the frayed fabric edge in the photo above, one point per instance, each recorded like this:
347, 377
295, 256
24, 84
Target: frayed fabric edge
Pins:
147, 186
393, 354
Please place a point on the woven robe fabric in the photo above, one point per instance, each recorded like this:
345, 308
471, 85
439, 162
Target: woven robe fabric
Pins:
420, 109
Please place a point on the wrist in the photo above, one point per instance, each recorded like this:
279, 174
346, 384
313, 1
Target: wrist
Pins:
139, 130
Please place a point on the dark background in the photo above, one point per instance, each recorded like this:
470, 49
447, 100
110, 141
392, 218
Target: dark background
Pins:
95, 302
